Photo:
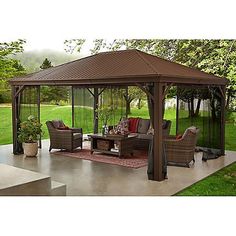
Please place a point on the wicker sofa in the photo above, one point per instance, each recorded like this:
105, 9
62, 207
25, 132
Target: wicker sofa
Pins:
143, 138
68, 139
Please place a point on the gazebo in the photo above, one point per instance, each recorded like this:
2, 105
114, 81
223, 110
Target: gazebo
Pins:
120, 69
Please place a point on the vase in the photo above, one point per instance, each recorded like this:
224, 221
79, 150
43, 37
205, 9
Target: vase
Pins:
30, 149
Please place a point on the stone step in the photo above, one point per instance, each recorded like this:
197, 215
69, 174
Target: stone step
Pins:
58, 189
20, 182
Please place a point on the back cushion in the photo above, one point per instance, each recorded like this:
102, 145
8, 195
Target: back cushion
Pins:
143, 126
57, 123
191, 129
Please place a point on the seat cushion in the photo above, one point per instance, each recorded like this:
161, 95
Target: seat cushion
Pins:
145, 136
143, 126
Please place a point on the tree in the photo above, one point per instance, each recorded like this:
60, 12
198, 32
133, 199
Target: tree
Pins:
9, 67
52, 93
134, 93
46, 64
212, 56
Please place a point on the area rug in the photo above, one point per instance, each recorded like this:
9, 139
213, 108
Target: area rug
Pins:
138, 160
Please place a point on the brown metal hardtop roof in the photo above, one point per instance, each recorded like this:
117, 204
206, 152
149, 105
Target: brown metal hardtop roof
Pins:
118, 67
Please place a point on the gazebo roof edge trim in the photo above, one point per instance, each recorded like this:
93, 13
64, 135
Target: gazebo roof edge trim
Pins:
122, 80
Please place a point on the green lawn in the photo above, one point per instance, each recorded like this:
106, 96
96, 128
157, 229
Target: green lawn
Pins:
49, 112
221, 183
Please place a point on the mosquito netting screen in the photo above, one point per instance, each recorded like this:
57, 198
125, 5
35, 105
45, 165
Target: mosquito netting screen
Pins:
26, 105
201, 107
94, 107
29, 103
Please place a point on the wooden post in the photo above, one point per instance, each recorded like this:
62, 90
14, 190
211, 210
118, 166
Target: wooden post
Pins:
14, 122
177, 114
72, 106
222, 122
17, 147
38, 104
157, 138
126, 106
95, 111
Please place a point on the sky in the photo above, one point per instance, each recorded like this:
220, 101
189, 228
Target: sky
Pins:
46, 24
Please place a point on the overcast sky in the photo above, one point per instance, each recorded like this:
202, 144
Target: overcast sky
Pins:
46, 24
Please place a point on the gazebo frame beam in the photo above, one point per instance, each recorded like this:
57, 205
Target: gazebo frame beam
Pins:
157, 142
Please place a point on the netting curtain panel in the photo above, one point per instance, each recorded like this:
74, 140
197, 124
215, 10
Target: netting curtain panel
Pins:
27, 103
94, 107
203, 108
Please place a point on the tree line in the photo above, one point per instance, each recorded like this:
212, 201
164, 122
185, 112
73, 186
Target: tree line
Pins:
11, 67
217, 57
212, 56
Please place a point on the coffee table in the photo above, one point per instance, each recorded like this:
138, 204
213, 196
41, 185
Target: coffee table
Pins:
112, 144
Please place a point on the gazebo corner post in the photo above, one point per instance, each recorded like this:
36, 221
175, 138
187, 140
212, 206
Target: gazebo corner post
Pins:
17, 147
38, 107
126, 104
14, 121
72, 106
159, 175
95, 110
177, 114
222, 123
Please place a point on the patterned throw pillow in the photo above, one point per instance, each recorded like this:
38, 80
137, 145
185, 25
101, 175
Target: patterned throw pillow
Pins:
123, 126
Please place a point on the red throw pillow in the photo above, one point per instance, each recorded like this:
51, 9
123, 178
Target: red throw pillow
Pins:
133, 124
179, 136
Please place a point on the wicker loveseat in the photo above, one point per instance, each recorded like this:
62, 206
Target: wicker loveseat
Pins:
142, 140
67, 138
181, 151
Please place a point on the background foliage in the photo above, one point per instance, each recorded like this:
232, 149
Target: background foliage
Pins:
212, 56
9, 67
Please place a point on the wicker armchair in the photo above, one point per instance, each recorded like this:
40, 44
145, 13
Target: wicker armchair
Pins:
181, 151
68, 139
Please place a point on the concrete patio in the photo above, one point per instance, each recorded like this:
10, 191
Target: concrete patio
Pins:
86, 178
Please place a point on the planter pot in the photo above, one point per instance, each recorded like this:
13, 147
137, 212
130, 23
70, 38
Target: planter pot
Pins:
30, 149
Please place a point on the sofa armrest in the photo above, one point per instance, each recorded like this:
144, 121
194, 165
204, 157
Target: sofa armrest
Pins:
174, 142
77, 130
60, 135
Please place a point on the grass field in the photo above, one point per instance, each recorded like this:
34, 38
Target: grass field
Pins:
221, 183
64, 113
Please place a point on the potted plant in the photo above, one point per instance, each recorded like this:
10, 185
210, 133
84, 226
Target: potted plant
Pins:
29, 134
